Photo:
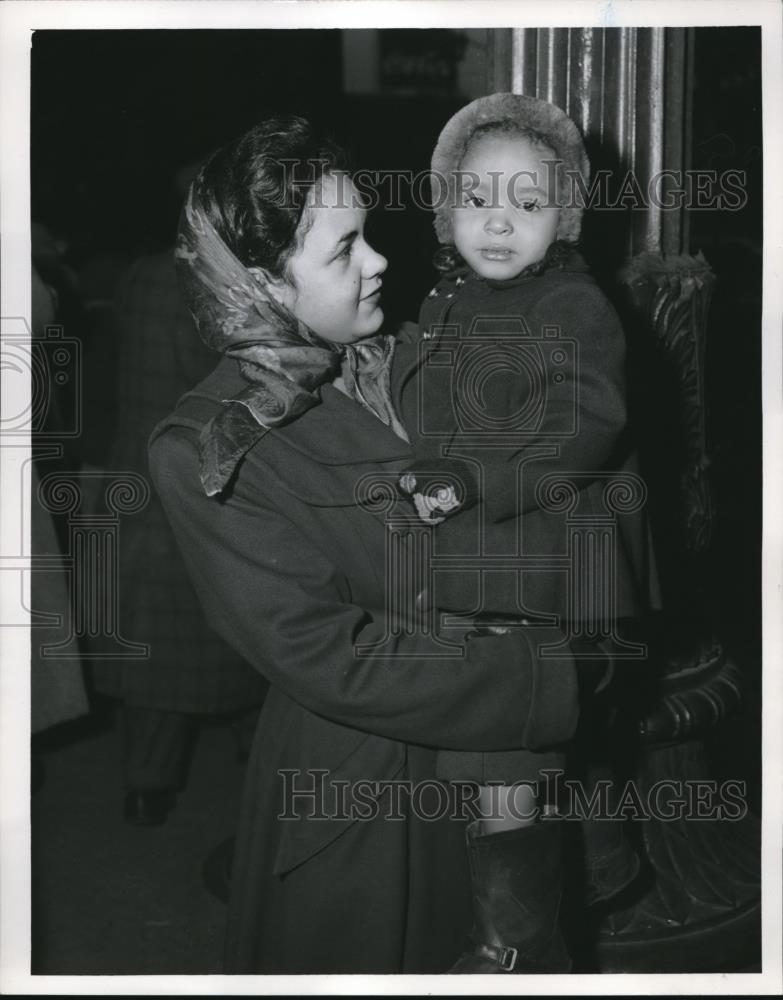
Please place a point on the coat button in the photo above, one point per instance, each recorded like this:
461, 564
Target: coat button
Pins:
460, 281
449, 295
433, 294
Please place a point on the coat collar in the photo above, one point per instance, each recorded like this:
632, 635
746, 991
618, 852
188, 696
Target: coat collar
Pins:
336, 432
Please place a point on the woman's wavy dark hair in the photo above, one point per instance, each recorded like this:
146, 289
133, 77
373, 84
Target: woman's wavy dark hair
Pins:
254, 190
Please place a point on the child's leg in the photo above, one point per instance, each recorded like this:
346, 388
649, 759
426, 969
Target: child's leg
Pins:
506, 807
516, 864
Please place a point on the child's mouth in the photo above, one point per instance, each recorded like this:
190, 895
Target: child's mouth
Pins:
496, 253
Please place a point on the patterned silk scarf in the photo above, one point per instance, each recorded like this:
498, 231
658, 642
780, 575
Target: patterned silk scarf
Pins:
280, 357
366, 371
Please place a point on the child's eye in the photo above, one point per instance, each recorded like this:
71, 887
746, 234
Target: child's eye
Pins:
475, 201
530, 205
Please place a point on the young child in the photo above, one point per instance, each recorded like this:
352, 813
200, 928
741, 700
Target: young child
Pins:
521, 377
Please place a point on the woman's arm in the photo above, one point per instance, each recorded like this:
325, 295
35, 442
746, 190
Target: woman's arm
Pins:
277, 599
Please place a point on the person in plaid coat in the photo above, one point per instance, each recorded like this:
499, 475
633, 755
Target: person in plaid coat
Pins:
190, 670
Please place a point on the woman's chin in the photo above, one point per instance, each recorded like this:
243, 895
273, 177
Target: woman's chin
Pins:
374, 322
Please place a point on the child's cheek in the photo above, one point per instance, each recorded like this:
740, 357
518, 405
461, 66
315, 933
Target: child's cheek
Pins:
460, 228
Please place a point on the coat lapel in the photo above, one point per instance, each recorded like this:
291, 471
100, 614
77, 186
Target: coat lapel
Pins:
334, 455
342, 432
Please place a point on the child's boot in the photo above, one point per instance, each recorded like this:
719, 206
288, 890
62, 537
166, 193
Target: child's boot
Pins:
517, 882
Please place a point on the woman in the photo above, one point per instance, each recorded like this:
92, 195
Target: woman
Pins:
261, 470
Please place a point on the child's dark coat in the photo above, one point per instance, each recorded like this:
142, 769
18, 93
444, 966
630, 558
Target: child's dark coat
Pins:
568, 395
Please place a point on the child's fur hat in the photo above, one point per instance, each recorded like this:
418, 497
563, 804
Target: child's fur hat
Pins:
553, 125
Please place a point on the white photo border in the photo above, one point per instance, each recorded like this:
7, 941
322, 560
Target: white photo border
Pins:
17, 21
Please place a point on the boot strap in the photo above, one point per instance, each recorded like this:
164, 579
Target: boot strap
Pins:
506, 958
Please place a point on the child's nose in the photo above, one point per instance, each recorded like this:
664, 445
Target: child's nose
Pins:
498, 224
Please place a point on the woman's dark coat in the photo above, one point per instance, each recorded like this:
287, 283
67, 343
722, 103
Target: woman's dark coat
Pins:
292, 571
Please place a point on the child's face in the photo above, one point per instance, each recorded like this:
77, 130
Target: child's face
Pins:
336, 273
510, 218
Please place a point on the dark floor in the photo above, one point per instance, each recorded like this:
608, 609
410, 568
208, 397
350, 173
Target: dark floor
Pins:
111, 898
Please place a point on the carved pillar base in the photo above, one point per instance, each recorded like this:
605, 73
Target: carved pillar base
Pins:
697, 905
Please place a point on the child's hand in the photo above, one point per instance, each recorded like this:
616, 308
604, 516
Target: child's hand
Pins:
438, 488
433, 508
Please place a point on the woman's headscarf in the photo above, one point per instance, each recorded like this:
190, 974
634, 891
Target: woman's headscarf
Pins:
280, 357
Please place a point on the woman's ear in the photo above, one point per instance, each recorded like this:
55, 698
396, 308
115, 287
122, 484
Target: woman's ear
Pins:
278, 288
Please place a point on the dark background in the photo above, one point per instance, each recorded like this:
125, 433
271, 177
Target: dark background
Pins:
116, 113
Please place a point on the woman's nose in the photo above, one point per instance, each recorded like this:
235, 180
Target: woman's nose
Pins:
375, 264
498, 223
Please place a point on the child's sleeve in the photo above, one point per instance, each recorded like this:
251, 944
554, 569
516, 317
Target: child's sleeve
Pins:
584, 412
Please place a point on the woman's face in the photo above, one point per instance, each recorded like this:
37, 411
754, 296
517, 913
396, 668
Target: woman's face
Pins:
335, 275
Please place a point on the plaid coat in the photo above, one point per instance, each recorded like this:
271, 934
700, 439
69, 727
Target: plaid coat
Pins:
160, 357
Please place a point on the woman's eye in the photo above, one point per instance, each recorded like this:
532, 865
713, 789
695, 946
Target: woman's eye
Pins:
531, 205
475, 201
346, 252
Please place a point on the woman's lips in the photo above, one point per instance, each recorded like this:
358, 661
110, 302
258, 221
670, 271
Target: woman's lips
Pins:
496, 253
